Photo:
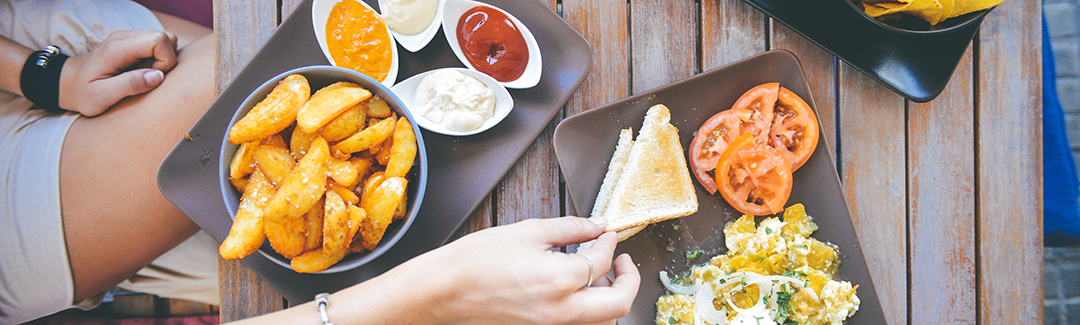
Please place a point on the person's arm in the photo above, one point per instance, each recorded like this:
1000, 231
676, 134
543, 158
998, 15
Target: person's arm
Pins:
12, 57
500, 275
126, 63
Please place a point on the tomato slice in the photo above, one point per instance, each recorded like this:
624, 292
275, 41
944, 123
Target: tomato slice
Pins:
760, 100
794, 130
711, 140
753, 178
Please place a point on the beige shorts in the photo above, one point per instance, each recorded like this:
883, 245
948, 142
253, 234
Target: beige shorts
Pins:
35, 276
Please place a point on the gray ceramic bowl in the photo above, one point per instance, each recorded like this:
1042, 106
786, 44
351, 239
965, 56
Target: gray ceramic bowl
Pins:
318, 77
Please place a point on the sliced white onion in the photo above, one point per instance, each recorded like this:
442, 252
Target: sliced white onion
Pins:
704, 308
682, 290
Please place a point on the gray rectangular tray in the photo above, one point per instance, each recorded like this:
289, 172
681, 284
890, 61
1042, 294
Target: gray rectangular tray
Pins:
463, 170
585, 142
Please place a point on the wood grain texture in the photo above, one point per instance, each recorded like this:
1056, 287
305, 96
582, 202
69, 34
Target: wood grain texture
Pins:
604, 23
873, 173
242, 27
531, 188
479, 220
1009, 158
731, 30
819, 68
663, 44
941, 205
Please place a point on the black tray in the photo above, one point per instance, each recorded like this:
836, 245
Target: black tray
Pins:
463, 170
585, 142
915, 64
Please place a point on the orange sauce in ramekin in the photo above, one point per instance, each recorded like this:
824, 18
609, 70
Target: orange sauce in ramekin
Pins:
357, 39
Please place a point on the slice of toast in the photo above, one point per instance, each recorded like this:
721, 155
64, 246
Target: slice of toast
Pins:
614, 170
654, 184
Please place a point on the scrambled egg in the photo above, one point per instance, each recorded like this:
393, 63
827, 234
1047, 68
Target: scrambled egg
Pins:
772, 274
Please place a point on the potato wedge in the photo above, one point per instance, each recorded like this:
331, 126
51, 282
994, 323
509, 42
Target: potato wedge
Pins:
300, 141
363, 167
243, 162
366, 138
288, 237
356, 218
371, 183
346, 194
317, 261
357, 245
380, 205
274, 140
328, 103
276, 162
344, 172
402, 207
403, 151
314, 220
383, 156
274, 113
239, 183
376, 107
303, 186
335, 224
343, 126
246, 235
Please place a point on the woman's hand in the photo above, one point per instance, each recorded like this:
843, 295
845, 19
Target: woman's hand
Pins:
501, 275
126, 63
509, 275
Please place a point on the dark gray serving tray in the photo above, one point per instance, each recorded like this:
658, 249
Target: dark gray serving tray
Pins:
463, 170
585, 142
916, 63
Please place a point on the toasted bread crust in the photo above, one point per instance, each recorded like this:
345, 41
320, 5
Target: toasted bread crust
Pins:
655, 183
615, 168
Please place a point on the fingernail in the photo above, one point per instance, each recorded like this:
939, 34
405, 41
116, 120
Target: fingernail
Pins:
154, 77
599, 220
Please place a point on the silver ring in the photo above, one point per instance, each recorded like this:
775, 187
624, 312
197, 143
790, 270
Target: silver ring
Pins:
587, 260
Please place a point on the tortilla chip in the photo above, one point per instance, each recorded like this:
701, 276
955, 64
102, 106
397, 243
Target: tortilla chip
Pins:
932, 11
963, 7
927, 10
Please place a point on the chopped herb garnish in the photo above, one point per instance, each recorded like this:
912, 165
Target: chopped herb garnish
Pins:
758, 319
759, 259
671, 320
694, 254
768, 230
675, 226
783, 304
799, 246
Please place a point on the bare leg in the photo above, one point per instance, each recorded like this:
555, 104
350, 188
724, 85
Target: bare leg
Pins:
186, 31
116, 221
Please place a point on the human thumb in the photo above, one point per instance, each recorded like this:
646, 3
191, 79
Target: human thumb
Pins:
135, 82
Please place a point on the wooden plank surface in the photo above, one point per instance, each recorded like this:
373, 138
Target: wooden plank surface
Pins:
604, 23
731, 30
941, 207
663, 42
1009, 165
873, 172
945, 194
241, 29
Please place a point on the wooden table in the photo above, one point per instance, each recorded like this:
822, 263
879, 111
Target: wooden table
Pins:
946, 195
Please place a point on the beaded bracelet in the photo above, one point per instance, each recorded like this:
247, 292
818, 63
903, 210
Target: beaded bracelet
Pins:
40, 79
